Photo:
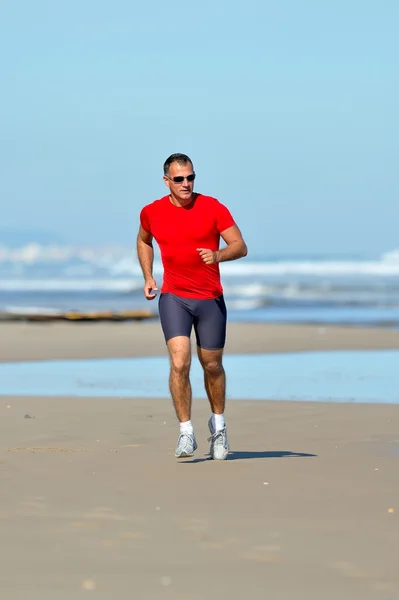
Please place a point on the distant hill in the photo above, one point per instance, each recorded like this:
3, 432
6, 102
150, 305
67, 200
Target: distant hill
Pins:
13, 238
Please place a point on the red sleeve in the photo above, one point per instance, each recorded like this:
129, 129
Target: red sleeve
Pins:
145, 219
224, 218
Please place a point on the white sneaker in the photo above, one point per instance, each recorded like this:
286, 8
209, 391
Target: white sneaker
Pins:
186, 445
219, 447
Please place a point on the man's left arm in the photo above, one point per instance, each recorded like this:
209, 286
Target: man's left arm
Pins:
235, 247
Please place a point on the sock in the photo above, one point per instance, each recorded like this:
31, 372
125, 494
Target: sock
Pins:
186, 427
218, 422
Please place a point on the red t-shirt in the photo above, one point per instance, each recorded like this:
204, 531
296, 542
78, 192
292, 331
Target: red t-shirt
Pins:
179, 231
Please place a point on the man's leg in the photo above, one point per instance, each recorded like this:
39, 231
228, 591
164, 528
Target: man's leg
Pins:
210, 329
179, 378
214, 378
176, 321
180, 389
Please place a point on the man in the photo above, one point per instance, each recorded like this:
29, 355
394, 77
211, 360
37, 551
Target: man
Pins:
187, 227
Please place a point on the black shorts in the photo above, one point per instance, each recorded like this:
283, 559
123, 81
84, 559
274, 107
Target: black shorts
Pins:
178, 316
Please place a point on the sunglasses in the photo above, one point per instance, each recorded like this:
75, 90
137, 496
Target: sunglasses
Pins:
180, 178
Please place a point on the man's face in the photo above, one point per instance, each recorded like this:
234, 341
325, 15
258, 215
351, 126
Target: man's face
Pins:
180, 189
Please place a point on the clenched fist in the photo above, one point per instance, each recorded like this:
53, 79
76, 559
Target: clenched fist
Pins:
208, 256
150, 287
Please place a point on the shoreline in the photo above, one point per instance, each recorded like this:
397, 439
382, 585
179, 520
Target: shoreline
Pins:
139, 315
20, 342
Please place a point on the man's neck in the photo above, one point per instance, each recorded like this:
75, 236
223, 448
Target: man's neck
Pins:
180, 203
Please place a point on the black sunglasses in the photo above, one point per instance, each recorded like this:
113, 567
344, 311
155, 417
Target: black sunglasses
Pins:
180, 178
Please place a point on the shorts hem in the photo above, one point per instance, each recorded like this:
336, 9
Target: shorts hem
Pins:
170, 337
213, 348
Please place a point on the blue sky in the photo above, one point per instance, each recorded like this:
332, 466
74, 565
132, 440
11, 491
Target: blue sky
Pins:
290, 111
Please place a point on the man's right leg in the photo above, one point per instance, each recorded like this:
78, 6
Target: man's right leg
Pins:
180, 388
176, 321
179, 377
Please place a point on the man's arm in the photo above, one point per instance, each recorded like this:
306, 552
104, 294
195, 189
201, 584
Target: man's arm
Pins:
235, 248
145, 254
235, 245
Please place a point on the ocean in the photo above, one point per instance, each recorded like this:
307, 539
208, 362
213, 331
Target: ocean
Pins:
352, 290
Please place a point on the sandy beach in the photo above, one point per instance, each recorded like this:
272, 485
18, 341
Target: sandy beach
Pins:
46, 341
94, 503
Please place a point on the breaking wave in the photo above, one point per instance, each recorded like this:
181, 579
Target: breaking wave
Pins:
110, 276
119, 261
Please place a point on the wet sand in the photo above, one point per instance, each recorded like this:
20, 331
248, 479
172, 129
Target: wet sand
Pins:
46, 341
93, 501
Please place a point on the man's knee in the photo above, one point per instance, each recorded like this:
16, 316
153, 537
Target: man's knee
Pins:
211, 361
180, 355
213, 366
180, 365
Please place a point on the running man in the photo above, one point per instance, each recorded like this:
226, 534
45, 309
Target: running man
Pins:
187, 227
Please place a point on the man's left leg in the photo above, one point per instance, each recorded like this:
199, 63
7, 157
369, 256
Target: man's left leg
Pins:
215, 386
214, 378
210, 329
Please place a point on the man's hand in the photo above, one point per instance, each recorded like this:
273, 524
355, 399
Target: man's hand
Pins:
149, 287
208, 256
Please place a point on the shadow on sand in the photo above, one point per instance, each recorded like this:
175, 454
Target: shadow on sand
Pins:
244, 455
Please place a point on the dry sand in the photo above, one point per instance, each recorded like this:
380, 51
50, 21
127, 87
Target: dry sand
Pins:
93, 504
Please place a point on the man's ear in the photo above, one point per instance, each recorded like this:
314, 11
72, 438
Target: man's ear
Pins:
166, 181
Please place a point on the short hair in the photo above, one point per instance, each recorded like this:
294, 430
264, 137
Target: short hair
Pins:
182, 159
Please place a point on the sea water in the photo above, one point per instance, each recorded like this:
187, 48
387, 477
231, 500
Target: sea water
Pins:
368, 376
353, 289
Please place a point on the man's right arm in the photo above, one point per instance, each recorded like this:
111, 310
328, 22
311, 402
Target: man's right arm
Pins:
145, 254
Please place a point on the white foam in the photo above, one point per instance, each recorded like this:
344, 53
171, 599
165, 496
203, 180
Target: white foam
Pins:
245, 304
36, 253
391, 257
119, 261
325, 268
